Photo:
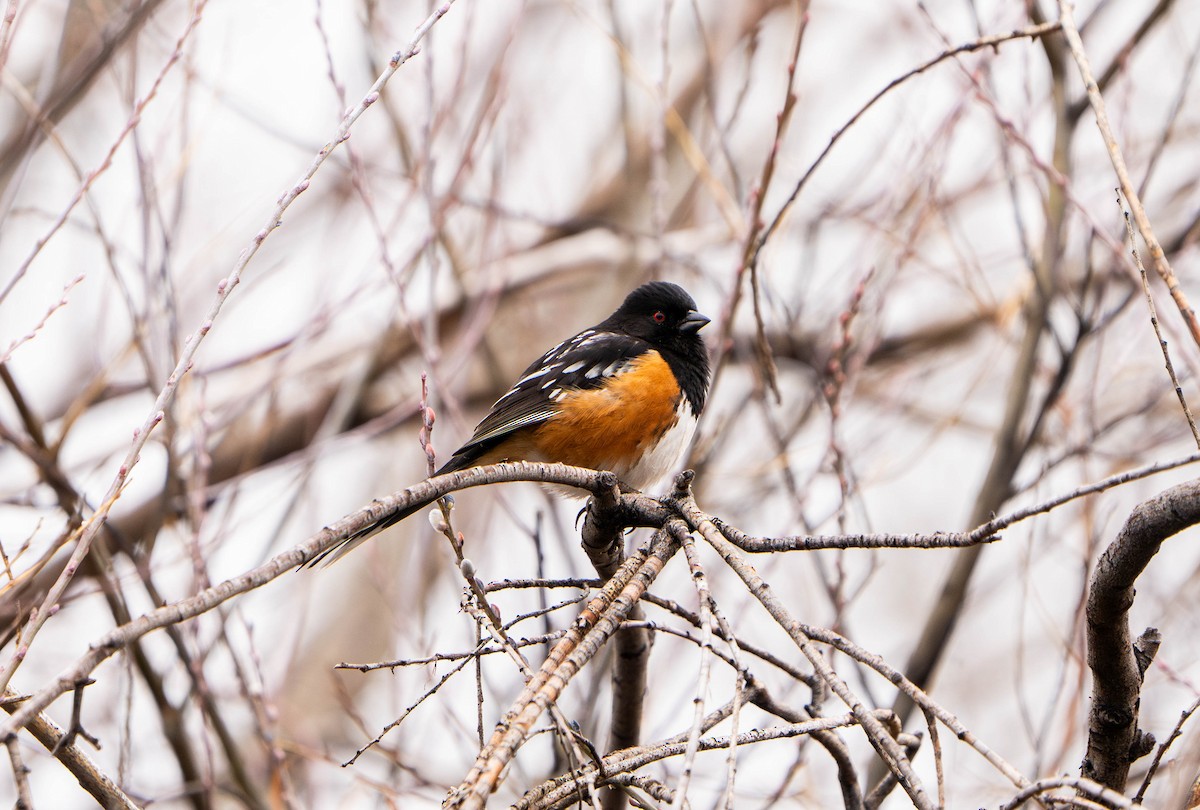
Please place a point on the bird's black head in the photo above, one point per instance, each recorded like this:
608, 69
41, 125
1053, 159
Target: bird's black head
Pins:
661, 313
665, 316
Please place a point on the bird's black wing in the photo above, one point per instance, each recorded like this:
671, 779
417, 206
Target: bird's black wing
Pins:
586, 360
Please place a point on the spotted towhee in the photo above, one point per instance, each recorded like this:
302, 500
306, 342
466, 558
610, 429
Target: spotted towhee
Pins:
623, 395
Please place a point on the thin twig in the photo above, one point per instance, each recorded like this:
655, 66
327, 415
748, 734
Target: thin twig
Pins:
37, 327
553, 793
968, 47
1086, 787
1162, 342
1176, 732
704, 677
1157, 255
879, 737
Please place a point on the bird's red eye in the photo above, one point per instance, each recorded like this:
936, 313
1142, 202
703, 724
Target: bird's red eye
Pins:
660, 317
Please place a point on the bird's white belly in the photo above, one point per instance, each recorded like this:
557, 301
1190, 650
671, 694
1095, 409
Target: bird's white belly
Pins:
661, 458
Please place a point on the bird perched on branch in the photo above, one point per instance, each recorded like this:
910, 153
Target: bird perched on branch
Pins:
623, 395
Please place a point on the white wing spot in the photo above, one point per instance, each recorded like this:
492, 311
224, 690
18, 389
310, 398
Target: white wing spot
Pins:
571, 369
592, 338
576, 341
534, 375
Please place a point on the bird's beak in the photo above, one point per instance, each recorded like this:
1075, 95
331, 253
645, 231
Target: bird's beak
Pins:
693, 322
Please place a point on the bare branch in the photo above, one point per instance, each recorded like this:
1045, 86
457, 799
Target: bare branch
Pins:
1157, 256
1114, 740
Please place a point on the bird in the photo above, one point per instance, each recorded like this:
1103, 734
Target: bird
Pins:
624, 395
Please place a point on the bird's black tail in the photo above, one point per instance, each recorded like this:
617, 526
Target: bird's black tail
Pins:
329, 556
334, 553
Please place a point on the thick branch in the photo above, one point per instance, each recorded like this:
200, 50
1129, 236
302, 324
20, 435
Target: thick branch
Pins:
1113, 737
